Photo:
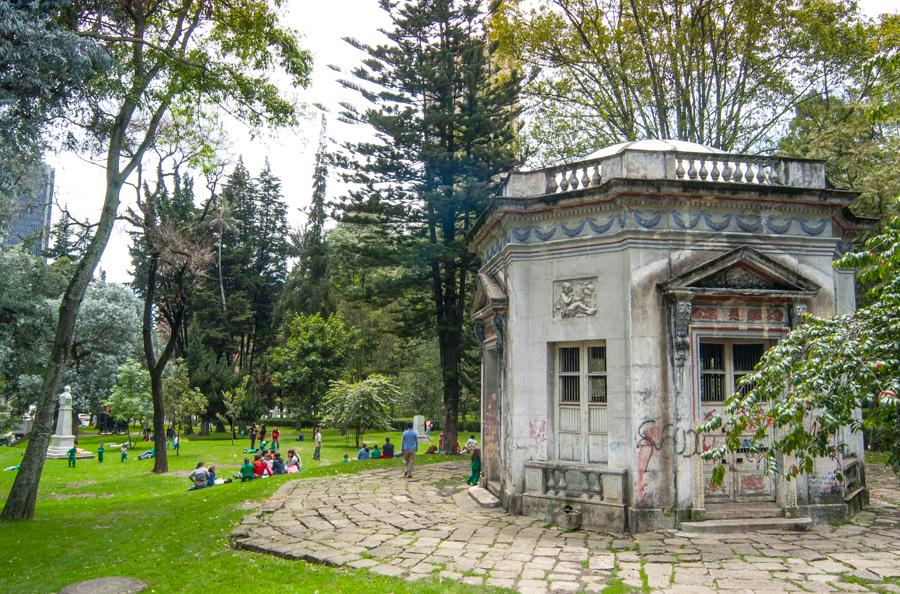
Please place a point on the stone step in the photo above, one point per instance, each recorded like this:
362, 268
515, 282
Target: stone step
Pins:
745, 525
483, 498
730, 511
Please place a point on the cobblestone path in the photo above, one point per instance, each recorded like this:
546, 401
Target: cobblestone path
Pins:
429, 527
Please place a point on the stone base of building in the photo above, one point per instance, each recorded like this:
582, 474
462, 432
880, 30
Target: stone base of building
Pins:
596, 515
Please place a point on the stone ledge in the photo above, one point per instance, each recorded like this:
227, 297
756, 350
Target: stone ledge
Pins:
483, 497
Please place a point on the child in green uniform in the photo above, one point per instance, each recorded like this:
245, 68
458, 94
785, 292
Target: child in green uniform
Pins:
100, 454
124, 452
476, 467
72, 453
247, 471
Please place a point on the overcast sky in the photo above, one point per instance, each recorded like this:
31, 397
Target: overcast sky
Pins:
322, 25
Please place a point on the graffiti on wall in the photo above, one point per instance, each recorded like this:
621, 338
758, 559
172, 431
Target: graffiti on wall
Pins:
653, 437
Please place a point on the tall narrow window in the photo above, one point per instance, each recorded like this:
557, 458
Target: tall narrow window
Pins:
712, 372
745, 357
581, 396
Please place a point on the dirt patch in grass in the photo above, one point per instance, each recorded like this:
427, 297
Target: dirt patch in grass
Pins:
80, 484
63, 496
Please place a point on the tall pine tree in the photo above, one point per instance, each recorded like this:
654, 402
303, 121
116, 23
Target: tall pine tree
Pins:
308, 289
445, 115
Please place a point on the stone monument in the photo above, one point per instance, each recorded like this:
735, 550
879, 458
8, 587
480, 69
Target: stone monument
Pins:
63, 440
419, 427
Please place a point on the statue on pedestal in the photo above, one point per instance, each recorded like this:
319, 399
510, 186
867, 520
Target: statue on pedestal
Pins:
63, 440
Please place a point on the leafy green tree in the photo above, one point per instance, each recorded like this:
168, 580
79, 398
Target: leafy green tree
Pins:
173, 59
182, 401
107, 334
43, 70
130, 399
810, 385
360, 405
242, 404
445, 110
718, 72
313, 354
67, 239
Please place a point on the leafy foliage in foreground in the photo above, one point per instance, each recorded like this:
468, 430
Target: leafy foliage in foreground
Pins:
810, 385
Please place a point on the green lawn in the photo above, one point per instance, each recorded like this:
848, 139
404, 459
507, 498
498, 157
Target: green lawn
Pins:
120, 519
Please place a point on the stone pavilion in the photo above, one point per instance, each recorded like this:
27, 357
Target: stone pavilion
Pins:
619, 300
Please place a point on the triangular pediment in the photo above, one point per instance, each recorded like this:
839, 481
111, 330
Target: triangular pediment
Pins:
489, 296
743, 271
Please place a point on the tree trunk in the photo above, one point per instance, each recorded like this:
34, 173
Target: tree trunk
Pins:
450, 346
189, 429
161, 456
23, 495
204, 427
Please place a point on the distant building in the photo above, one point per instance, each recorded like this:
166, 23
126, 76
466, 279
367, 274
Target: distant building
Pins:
30, 222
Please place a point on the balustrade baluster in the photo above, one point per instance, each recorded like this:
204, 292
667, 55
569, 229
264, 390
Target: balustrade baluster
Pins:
573, 180
552, 186
729, 171
551, 484
585, 180
704, 172
692, 170
716, 172
561, 483
564, 182
773, 173
762, 175
679, 170
596, 178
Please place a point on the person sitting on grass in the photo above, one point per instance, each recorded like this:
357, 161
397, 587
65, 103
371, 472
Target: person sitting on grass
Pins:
259, 467
278, 465
346, 458
247, 471
363, 453
293, 464
269, 459
476, 467
471, 444
148, 454
387, 450
432, 449
262, 445
375, 453
211, 476
198, 476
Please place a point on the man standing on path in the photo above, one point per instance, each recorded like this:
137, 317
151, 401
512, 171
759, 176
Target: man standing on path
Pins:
409, 446
317, 437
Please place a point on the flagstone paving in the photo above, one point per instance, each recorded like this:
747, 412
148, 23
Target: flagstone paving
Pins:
428, 527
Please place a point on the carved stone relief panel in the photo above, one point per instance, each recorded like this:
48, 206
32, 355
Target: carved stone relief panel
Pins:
574, 298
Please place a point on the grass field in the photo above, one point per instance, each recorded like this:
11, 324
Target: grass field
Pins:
120, 519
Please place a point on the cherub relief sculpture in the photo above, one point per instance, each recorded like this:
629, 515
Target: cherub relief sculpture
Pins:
574, 299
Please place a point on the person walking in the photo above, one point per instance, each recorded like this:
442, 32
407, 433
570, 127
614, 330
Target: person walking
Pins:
317, 438
124, 452
73, 453
409, 445
253, 432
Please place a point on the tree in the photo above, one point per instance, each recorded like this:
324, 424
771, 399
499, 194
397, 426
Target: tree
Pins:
181, 400
445, 111
172, 255
717, 72
171, 58
313, 355
360, 405
812, 383
308, 288
67, 239
107, 334
43, 70
131, 399
242, 404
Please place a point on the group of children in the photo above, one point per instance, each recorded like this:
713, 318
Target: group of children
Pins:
385, 451
269, 464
